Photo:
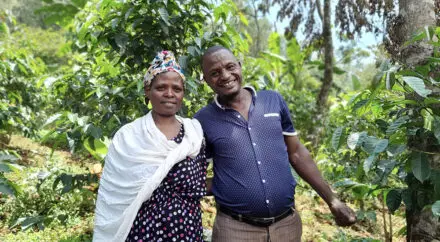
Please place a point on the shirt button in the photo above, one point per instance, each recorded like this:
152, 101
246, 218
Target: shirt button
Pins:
259, 162
267, 201
238, 116
249, 128
264, 181
254, 144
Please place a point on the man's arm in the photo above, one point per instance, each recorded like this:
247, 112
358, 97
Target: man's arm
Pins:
302, 162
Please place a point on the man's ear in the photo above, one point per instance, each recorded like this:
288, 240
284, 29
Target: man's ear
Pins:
239, 63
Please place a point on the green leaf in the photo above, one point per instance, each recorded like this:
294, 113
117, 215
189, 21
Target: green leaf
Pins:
369, 162
396, 124
52, 119
92, 130
436, 209
397, 149
4, 167
417, 85
96, 147
390, 79
121, 40
356, 139
7, 187
243, 18
381, 146
359, 104
345, 183
336, 138
8, 157
164, 16
370, 144
394, 199
30, 221
420, 166
356, 82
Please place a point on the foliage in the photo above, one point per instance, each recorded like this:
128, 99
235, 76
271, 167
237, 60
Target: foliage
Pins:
7, 164
392, 140
20, 99
43, 201
104, 89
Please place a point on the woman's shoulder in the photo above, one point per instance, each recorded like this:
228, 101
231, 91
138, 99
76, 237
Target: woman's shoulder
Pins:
129, 127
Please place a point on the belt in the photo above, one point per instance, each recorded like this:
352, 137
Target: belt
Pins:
260, 222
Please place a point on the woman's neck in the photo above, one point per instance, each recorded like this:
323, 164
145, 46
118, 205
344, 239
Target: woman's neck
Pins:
168, 125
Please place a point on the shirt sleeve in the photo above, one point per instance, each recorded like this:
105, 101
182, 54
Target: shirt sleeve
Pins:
286, 120
208, 146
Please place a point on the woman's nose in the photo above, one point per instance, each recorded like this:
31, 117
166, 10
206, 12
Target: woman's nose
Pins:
169, 92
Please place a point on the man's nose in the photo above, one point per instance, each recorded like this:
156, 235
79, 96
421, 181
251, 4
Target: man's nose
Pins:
225, 74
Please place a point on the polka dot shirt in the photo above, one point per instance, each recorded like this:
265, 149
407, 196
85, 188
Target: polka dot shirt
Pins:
173, 212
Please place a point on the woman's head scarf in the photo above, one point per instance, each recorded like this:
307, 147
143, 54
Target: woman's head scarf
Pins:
163, 62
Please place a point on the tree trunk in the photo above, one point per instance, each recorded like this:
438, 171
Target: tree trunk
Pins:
414, 16
328, 57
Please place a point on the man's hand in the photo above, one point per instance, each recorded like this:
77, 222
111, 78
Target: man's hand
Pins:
344, 215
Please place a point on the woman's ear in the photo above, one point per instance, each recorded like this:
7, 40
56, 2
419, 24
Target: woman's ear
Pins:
147, 90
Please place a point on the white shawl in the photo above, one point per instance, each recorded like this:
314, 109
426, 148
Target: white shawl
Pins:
138, 159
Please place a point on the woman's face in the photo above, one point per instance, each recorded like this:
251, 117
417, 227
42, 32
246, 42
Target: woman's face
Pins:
166, 93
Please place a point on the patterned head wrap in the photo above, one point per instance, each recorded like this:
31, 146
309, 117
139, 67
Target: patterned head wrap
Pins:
163, 62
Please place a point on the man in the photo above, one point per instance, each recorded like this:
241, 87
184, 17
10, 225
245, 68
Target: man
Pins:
252, 141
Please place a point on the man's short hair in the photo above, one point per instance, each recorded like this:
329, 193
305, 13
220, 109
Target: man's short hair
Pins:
212, 50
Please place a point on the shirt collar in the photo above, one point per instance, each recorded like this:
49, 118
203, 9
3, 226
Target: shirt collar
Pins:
250, 88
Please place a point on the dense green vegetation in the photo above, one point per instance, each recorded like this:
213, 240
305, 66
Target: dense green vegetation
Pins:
71, 79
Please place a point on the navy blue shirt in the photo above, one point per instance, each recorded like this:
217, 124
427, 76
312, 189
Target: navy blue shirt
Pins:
252, 173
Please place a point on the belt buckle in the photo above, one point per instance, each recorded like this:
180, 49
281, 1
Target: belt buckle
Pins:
269, 220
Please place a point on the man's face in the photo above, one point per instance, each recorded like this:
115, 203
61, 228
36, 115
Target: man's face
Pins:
222, 72
166, 93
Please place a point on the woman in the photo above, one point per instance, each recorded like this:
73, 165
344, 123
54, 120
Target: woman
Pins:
154, 173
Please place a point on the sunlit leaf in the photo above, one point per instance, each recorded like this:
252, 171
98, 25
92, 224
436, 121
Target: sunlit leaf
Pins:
369, 162
417, 85
164, 15
356, 139
52, 119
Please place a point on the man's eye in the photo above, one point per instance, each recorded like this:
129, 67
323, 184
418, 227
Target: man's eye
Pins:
214, 73
231, 67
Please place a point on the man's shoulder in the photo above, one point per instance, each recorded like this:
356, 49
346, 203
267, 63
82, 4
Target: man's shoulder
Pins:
267, 94
204, 112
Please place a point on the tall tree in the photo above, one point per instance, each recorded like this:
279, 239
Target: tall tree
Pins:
311, 13
416, 16
258, 26
328, 56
